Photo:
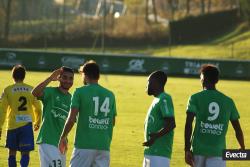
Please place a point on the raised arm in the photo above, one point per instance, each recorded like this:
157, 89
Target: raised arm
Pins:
38, 90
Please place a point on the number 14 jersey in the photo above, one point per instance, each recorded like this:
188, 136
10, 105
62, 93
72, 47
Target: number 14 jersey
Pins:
213, 111
97, 110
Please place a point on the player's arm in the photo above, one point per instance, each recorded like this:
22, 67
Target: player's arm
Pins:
238, 133
38, 90
67, 128
4, 107
188, 134
169, 125
37, 110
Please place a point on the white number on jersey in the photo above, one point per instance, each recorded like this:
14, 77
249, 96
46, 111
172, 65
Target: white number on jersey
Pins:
104, 107
213, 109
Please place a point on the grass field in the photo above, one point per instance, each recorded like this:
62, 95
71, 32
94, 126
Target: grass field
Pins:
132, 105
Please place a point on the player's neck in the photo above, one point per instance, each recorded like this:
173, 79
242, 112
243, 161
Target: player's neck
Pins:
16, 82
158, 92
209, 87
65, 91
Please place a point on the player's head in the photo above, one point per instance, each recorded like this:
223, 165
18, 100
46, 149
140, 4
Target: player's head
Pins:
66, 77
90, 71
156, 82
209, 75
18, 73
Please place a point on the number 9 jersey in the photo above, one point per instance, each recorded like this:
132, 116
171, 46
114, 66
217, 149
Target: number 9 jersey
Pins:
213, 111
20, 107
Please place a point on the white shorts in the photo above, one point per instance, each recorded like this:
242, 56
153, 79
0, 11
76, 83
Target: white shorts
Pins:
202, 161
51, 156
90, 158
155, 161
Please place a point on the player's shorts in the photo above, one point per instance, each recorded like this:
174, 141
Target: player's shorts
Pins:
202, 161
51, 156
21, 139
155, 161
89, 157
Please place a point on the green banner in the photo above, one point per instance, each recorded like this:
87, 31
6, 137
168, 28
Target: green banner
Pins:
121, 64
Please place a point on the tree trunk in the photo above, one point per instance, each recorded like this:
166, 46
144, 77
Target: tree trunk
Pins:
7, 20
154, 10
202, 5
187, 7
209, 6
146, 12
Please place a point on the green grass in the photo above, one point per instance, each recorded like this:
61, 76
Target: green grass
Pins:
132, 105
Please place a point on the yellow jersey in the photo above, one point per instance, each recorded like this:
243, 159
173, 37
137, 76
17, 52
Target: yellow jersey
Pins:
19, 106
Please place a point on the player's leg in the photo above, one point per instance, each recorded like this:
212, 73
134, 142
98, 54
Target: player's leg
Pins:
26, 143
102, 159
51, 156
82, 157
12, 145
199, 161
12, 158
25, 158
155, 161
215, 161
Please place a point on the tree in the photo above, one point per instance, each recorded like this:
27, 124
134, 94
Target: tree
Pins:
7, 20
202, 6
187, 7
245, 9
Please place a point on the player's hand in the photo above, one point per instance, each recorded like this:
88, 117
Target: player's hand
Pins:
150, 142
63, 145
55, 75
189, 158
36, 127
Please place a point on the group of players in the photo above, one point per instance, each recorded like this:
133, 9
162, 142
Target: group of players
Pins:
93, 109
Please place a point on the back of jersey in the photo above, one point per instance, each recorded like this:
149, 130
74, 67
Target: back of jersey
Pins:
18, 102
96, 113
213, 111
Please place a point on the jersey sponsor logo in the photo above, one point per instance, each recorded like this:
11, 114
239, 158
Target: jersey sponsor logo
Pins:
58, 115
23, 118
211, 128
102, 124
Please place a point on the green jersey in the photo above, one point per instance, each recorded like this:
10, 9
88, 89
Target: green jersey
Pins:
161, 107
56, 106
97, 110
213, 110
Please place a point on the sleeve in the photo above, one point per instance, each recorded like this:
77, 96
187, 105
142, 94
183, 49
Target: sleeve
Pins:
167, 107
114, 107
4, 107
234, 112
46, 94
191, 106
37, 110
75, 102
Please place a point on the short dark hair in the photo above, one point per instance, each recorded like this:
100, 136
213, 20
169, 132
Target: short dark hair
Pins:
67, 69
160, 76
18, 72
210, 73
91, 69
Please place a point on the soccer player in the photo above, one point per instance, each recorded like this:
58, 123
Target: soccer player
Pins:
19, 108
56, 105
96, 110
213, 111
159, 123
